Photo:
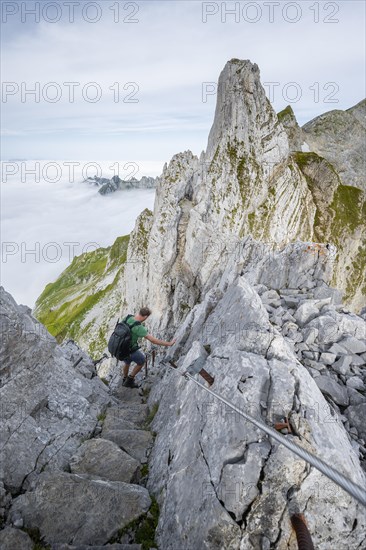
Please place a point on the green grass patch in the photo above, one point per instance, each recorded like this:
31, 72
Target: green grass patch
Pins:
152, 413
349, 207
62, 306
101, 417
288, 111
141, 530
145, 532
35, 535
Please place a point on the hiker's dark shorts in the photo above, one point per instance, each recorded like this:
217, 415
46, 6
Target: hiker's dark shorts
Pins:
137, 357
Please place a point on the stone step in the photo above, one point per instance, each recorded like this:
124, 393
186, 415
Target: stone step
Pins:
137, 443
103, 458
73, 507
127, 395
125, 417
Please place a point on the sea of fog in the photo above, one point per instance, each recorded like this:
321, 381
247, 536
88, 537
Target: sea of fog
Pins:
49, 215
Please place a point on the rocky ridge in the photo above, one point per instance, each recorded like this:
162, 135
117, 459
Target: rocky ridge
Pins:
257, 180
199, 269
277, 354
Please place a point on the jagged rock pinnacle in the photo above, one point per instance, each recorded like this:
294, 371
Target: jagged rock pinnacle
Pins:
243, 112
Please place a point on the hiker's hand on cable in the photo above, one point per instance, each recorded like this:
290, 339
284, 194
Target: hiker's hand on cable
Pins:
171, 343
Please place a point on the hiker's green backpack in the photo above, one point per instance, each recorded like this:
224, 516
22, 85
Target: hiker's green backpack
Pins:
119, 344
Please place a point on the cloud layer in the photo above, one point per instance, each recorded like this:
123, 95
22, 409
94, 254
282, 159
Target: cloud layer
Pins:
44, 225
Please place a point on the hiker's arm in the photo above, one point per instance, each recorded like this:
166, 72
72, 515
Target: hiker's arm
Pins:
158, 342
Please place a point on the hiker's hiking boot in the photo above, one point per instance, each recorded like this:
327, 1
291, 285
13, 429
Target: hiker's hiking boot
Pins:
124, 380
130, 382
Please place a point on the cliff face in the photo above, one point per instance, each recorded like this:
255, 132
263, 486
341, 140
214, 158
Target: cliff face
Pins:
198, 269
86, 298
340, 137
249, 181
221, 483
257, 177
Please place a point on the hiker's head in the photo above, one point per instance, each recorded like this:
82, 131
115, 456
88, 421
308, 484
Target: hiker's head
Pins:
144, 313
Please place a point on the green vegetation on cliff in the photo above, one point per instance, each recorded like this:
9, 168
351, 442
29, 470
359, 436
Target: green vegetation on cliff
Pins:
348, 208
63, 305
288, 111
339, 221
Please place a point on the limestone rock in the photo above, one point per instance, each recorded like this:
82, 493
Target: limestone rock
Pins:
356, 415
73, 508
15, 539
125, 417
355, 398
136, 443
353, 345
106, 460
232, 458
44, 426
342, 365
356, 383
333, 134
328, 358
305, 313
332, 388
293, 130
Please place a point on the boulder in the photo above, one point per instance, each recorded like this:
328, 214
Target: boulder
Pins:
338, 350
328, 329
357, 361
336, 391
103, 458
305, 313
310, 335
271, 297
15, 539
356, 415
328, 358
136, 443
355, 398
313, 355
342, 365
291, 301
356, 383
48, 405
74, 508
353, 345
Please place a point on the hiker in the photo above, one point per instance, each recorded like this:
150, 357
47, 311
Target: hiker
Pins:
136, 355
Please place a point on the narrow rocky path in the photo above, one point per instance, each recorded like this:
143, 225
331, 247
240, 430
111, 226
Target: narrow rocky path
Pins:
102, 500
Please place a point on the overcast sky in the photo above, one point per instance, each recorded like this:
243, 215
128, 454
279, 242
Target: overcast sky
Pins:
167, 51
